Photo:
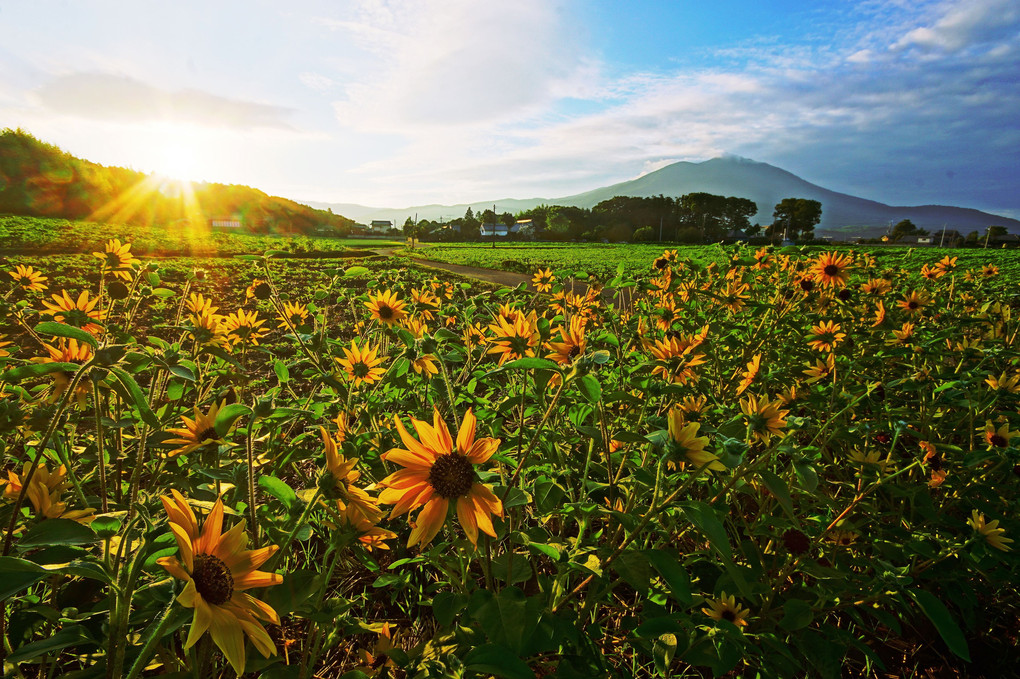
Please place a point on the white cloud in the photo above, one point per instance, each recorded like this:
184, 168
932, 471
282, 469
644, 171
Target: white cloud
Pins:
963, 24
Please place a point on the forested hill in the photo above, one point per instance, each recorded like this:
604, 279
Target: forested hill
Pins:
40, 180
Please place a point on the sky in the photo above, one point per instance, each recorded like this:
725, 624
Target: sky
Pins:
392, 103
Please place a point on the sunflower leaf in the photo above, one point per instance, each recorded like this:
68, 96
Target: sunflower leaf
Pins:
227, 415
68, 331
136, 396
943, 621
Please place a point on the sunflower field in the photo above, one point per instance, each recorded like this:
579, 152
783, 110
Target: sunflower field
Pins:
787, 463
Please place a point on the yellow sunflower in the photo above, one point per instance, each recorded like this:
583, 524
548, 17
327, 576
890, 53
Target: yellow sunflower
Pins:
197, 304
572, 342
117, 259
726, 608
44, 493
1004, 382
675, 358
196, 433
825, 336
765, 419
67, 351
876, 287
361, 364
425, 365
821, 369
998, 438
990, 530
242, 327
80, 312
218, 570
832, 269
543, 280
686, 446
28, 278
386, 307
293, 316
914, 303
514, 339
436, 473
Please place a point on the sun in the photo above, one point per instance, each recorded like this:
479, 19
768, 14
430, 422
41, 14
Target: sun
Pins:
177, 162
174, 151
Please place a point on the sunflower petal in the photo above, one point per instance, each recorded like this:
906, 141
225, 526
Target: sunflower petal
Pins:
466, 515
466, 436
430, 519
228, 635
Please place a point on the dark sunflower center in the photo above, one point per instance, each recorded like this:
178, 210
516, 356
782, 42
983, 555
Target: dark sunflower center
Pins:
998, 441
729, 615
807, 285
831, 270
206, 434
661, 263
385, 312
452, 475
360, 369
76, 317
911, 305
574, 351
212, 579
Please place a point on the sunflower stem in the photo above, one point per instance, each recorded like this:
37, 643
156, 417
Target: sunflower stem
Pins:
155, 636
249, 450
271, 563
100, 452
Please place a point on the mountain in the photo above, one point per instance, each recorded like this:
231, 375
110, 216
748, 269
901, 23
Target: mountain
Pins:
766, 185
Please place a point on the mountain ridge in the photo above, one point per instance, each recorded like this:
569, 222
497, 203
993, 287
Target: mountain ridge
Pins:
762, 183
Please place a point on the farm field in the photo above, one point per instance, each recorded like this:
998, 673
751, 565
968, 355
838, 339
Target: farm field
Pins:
42, 235
603, 260
763, 463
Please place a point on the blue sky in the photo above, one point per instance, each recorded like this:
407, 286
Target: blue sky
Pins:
401, 102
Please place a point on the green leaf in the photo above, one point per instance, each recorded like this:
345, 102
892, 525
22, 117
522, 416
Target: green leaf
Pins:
69, 636
446, 606
497, 660
634, 568
106, 526
18, 574
943, 621
797, 615
182, 372
278, 489
704, 519
163, 292
357, 271
136, 395
57, 532
282, 374
37, 370
68, 331
778, 488
227, 415
590, 388
673, 574
528, 363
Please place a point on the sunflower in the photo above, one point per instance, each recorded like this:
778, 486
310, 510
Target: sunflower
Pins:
726, 608
572, 344
67, 351
543, 280
44, 493
933, 459
425, 303
947, 264
378, 660
242, 327
841, 538
990, 530
361, 364
386, 307
747, 378
218, 570
117, 259
931, 272
831, 269
879, 314
913, 303
989, 270
1004, 382
876, 287
207, 328
425, 365
293, 316
675, 358
825, 336
354, 503
902, 336
514, 339
765, 419
416, 327
734, 297
821, 369
686, 446
28, 278
197, 304
3, 344
436, 473
665, 314
79, 312
196, 433
998, 438
474, 335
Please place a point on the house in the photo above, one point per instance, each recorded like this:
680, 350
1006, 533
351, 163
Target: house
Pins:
500, 230
225, 224
381, 225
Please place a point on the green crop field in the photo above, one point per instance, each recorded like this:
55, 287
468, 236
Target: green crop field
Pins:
603, 261
774, 464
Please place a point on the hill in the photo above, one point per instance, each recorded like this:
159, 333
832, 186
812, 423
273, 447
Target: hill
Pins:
765, 184
41, 180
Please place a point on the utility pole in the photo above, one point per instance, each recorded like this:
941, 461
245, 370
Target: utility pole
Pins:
494, 227
988, 234
660, 228
943, 239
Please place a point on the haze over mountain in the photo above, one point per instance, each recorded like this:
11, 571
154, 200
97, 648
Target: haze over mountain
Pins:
765, 184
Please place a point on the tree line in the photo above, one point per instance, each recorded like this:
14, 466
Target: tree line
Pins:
40, 180
691, 218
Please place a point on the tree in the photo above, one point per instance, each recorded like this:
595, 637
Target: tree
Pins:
905, 229
796, 218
